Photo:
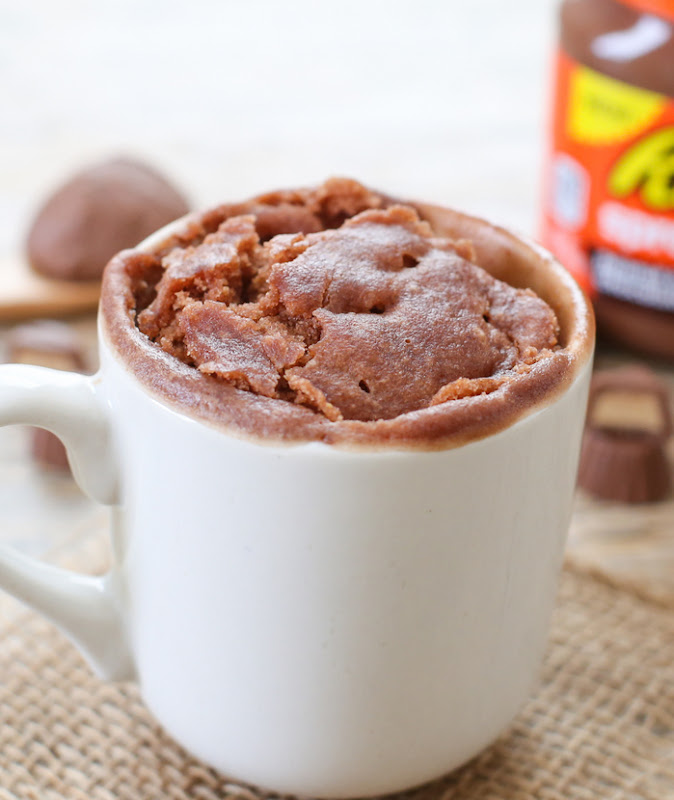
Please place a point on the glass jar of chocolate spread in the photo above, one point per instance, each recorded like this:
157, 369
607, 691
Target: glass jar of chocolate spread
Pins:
609, 184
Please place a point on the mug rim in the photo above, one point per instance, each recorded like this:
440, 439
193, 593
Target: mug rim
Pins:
145, 360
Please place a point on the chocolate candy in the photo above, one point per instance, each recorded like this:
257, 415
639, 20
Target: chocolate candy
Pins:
100, 211
628, 423
47, 344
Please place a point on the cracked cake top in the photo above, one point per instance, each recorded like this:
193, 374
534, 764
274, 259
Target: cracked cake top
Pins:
331, 308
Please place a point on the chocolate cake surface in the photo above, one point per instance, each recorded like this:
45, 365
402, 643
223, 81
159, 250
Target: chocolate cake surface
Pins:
336, 314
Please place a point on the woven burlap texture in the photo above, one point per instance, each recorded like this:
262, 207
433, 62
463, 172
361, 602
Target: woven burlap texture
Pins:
600, 725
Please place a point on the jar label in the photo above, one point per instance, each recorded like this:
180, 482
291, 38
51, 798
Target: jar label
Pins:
609, 186
663, 8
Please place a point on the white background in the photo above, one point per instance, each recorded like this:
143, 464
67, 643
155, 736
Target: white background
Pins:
442, 100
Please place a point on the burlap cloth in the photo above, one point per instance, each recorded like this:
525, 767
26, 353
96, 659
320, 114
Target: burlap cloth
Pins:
601, 723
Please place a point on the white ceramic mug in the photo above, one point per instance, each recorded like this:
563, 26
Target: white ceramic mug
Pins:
308, 618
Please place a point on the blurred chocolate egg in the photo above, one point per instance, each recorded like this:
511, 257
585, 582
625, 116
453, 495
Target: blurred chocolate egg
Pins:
97, 213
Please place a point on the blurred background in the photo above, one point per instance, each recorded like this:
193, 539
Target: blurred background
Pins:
437, 100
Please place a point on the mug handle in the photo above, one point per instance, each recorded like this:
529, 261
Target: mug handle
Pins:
86, 608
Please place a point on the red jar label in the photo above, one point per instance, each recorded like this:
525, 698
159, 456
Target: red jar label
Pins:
609, 186
662, 8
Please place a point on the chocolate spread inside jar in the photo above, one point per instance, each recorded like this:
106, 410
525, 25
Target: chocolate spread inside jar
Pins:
609, 202
341, 315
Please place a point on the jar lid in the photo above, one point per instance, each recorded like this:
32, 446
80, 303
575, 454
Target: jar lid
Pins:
661, 8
